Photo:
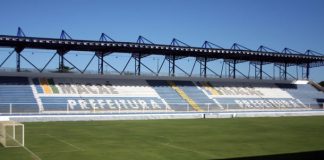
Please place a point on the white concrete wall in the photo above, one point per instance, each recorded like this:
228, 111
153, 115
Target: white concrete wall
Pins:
46, 118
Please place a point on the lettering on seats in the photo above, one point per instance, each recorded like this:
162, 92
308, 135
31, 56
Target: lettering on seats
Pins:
97, 104
238, 91
78, 88
267, 103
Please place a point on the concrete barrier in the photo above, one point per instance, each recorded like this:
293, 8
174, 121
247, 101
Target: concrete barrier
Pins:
4, 118
46, 118
264, 114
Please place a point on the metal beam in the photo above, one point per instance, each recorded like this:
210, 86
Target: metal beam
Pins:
193, 67
61, 60
88, 63
307, 71
48, 62
203, 68
161, 66
5, 60
138, 64
285, 71
18, 61
175, 51
30, 62
207, 68
20, 33
18, 50
258, 70
100, 57
111, 67
172, 66
72, 65
157, 49
231, 68
122, 72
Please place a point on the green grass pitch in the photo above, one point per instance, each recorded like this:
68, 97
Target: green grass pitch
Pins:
198, 139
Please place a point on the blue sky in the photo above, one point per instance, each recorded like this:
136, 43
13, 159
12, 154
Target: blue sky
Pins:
297, 24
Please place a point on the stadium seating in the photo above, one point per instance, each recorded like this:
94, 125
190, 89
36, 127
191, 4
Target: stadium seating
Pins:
245, 95
170, 96
72, 94
307, 94
17, 92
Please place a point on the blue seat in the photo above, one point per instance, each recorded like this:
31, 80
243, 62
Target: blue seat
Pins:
17, 92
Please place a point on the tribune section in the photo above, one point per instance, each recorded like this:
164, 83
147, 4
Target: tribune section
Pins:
69, 93
97, 95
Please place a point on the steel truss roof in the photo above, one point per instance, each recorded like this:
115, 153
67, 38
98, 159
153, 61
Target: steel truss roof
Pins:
156, 49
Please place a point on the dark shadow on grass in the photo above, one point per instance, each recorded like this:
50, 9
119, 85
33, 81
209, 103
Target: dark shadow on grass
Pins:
312, 155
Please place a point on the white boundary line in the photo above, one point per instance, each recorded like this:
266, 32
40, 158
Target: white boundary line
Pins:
61, 151
65, 142
34, 156
186, 149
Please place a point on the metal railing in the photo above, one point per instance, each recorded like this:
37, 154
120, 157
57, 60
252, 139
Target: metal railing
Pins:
66, 108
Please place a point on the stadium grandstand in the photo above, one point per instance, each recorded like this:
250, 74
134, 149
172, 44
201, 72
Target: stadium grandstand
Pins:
55, 93
162, 80
70, 93
51, 101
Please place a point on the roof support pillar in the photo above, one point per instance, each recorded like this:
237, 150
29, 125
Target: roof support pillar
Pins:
261, 71
203, 68
172, 66
138, 64
307, 71
285, 71
18, 61
61, 62
61, 67
232, 68
18, 57
100, 62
